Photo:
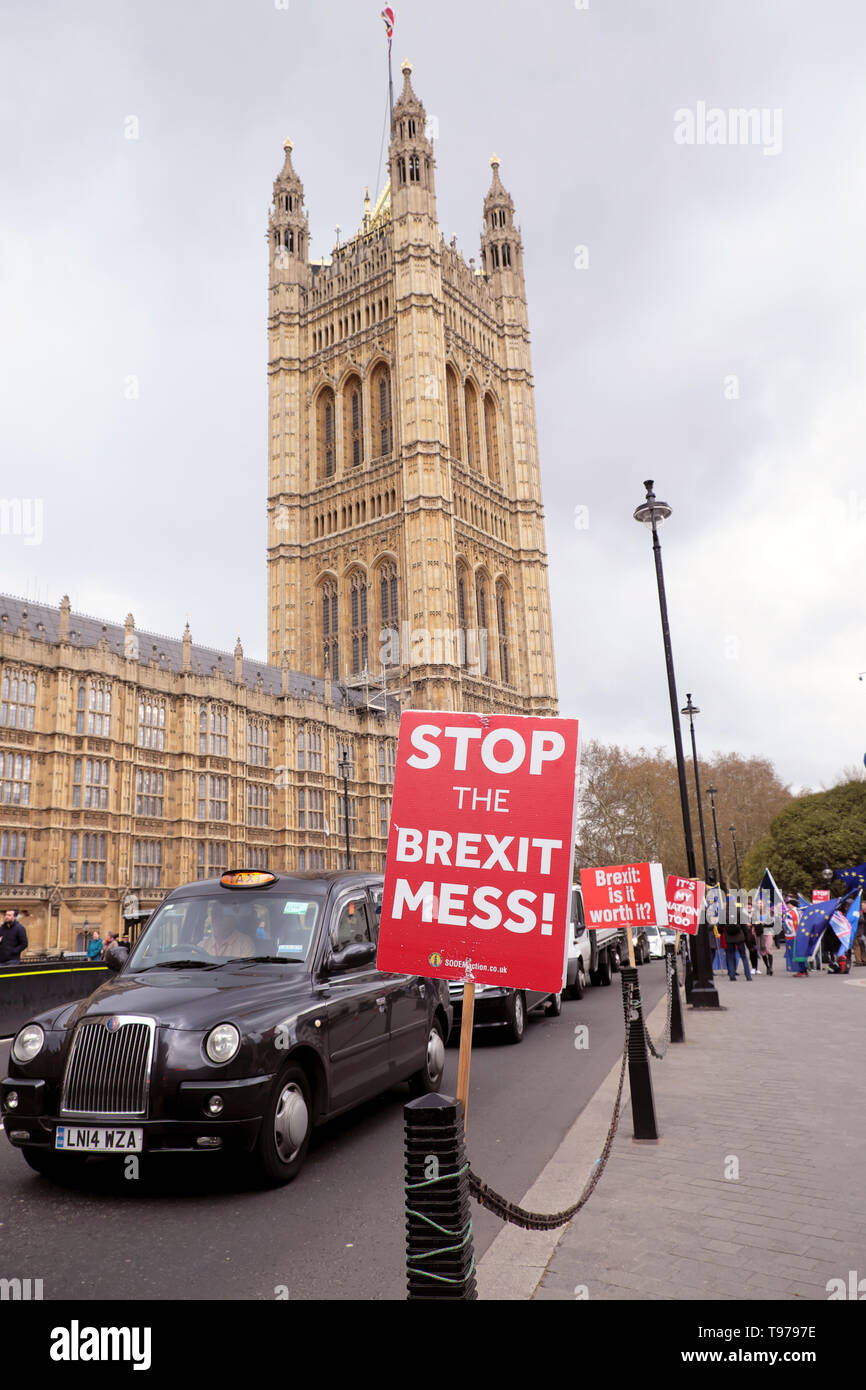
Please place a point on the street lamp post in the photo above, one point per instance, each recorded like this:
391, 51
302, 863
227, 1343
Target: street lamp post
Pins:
652, 513
736, 856
345, 772
712, 793
691, 710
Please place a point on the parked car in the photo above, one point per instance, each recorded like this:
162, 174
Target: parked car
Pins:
656, 943
497, 1006
249, 1010
641, 946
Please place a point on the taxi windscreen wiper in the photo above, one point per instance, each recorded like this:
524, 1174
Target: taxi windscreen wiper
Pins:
183, 965
257, 960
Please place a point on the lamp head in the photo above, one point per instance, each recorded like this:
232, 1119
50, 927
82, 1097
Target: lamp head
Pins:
651, 511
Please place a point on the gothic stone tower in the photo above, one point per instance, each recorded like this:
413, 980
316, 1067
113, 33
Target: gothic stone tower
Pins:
406, 527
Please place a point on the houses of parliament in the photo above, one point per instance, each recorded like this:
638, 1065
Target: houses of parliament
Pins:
407, 567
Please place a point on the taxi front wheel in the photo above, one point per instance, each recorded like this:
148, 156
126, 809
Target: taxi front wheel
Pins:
286, 1128
428, 1079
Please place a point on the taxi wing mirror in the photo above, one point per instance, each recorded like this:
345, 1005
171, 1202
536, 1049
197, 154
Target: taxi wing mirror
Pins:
351, 957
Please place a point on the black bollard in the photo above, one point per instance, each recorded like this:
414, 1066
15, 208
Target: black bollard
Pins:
643, 1111
678, 1027
440, 1262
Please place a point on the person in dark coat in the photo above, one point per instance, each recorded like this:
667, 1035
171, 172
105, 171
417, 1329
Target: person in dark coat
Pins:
13, 937
735, 937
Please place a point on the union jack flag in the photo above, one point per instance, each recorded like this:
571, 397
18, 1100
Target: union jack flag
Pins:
388, 17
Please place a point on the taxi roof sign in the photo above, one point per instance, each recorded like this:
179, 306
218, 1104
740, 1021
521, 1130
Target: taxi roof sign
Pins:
246, 878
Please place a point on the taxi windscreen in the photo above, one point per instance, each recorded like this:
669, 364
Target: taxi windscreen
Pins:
215, 928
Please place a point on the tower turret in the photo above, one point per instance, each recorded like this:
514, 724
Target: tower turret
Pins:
413, 186
501, 247
288, 223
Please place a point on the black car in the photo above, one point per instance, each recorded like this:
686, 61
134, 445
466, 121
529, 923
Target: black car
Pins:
249, 1010
500, 1007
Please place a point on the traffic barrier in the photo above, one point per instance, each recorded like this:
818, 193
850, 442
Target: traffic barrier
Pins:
640, 1082
678, 1027
425, 1233
440, 1262
29, 987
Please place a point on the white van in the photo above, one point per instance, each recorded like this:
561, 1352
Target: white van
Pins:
593, 956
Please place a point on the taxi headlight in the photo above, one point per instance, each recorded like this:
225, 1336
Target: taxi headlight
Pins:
222, 1042
29, 1043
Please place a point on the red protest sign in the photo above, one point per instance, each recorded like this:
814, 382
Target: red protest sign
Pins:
480, 849
624, 895
685, 897
820, 895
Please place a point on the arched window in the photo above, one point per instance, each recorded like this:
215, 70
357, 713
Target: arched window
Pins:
353, 422
414, 169
383, 431
330, 632
401, 169
462, 619
491, 433
18, 696
358, 603
502, 628
481, 601
326, 430
473, 443
389, 615
453, 398
213, 730
388, 600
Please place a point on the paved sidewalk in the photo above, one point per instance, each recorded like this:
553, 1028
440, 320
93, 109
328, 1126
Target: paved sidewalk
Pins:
769, 1091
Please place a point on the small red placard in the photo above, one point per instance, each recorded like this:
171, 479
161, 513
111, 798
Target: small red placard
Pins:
624, 895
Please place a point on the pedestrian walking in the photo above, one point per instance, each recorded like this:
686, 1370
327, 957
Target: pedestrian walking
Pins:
762, 923
735, 938
13, 937
860, 939
94, 946
749, 935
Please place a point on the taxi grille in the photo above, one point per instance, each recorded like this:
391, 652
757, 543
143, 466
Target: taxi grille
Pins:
108, 1068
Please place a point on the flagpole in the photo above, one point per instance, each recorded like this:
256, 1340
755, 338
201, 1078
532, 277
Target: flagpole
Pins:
390, 87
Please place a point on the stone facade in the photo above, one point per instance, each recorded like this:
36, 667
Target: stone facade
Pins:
406, 528
407, 567
131, 762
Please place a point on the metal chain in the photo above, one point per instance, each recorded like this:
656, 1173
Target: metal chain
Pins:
666, 1035
548, 1221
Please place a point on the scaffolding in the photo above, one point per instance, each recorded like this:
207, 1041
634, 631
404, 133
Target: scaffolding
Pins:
376, 689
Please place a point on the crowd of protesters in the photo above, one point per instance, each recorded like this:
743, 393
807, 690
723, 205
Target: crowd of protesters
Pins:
745, 929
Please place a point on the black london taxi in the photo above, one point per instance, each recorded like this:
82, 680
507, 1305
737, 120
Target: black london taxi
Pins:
249, 1010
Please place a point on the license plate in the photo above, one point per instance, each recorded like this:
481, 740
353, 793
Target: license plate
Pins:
98, 1141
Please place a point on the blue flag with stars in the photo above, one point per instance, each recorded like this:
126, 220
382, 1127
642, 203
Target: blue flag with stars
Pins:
854, 877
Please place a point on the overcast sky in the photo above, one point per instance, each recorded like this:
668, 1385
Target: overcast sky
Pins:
697, 315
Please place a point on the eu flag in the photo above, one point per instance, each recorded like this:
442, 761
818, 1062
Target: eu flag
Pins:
853, 878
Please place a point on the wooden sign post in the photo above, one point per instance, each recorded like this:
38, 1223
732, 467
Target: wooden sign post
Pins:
465, 1056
